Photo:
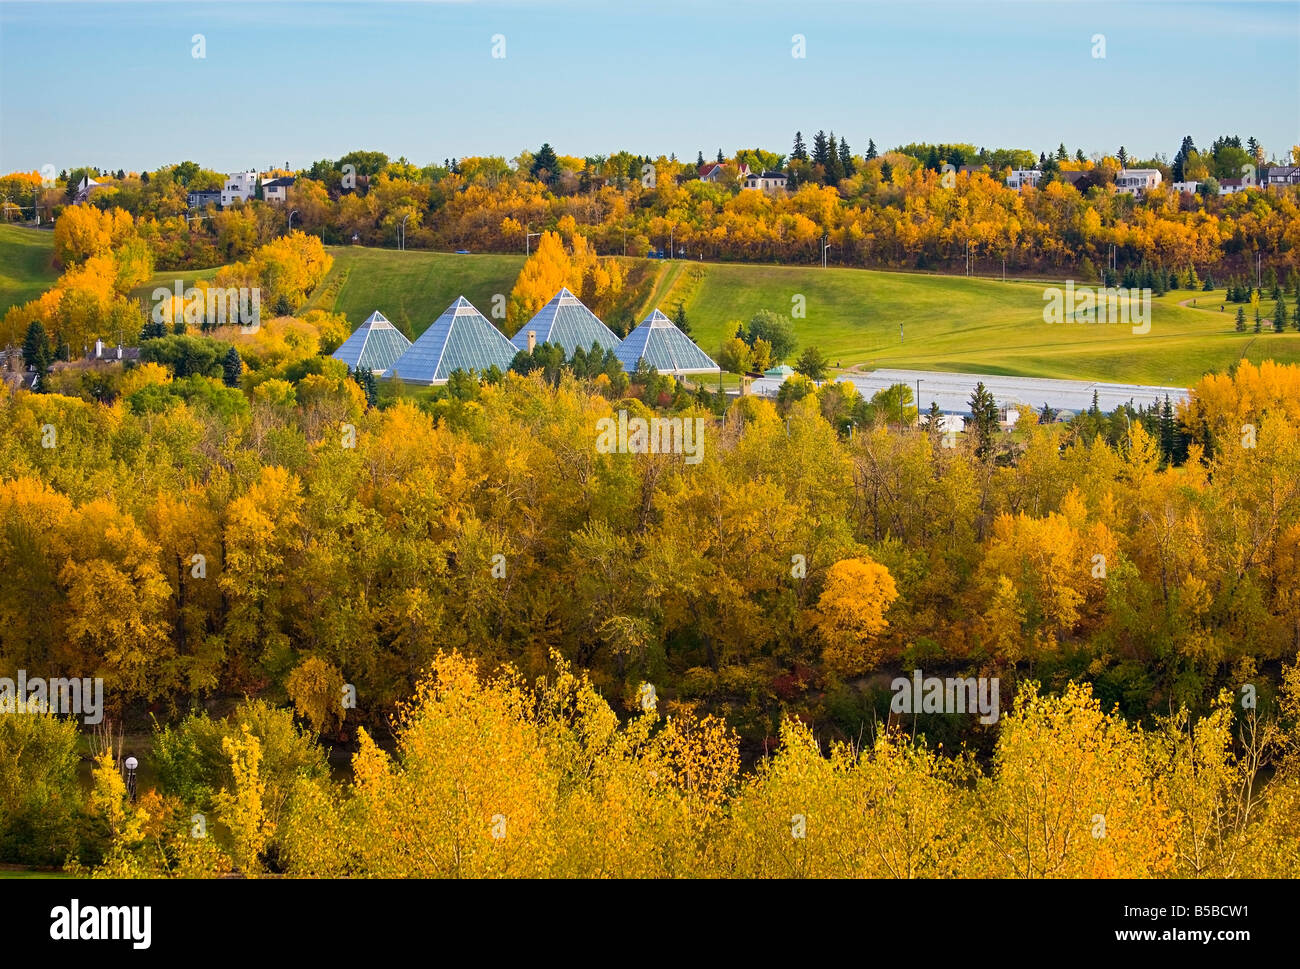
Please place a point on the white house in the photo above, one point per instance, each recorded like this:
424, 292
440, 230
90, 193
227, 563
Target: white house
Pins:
276, 190
1231, 186
1020, 177
1136, 181
239, 187
767, 182
715, 171
1188, 187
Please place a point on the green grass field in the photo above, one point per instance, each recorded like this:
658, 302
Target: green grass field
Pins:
412, 288
949, 323
26, 264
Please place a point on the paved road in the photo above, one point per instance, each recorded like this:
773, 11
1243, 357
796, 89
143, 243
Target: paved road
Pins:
952, 390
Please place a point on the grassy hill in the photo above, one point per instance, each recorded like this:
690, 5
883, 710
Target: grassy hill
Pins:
949, 323
853, 315
26, 264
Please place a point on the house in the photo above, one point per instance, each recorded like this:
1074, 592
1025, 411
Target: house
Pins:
1231, 186
1074, 177
1281, 176
1188, 187
375, 346
462, 338
277, 189
203, 198
662, 346
565, 322
769, 181
239, 187
716, 171
85, 187
1136, 181
1020, 177
103, 353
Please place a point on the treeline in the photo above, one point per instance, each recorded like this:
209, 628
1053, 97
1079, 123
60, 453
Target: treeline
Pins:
895, 208
492, 776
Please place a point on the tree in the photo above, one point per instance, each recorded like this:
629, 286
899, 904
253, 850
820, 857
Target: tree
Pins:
735, 356
846, 159
232, 367
871, 150
680, 321
36, 348
546, 166
984, 417
1123, 157
800, 151
886, 172
812, 363
776, 330
1241, 319
850, 614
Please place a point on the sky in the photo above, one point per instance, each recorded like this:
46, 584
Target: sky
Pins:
117, 85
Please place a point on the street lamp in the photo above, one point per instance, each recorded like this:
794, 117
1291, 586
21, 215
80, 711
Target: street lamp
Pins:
402, 230
528, 242
289, 227
131, 764
826, 247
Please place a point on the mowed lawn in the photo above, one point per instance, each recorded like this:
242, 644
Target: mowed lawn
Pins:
973, 325
413, 288
26, 264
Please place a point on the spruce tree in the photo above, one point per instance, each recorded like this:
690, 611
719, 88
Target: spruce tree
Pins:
1241, 320
36, 348
846, 159
1259, 321
232, 367
800, 150
871, 153
1279, 316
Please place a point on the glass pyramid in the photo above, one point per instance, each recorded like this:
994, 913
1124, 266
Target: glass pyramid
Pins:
664, 347
376, 345
461, 339
566, 322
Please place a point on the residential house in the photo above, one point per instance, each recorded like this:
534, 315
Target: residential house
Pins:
1231, 186
276, 190
239, 187
203, 198
1136, 181
1282, 176
769, 181
716, 171
85, 187
1020, 177
1188, 187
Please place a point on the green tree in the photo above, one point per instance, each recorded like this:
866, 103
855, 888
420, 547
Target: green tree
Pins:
984, 419
232, 367
776, 330
36, 348
812, 364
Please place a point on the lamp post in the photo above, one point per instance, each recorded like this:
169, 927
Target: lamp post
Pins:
289, 227
528, 240
826, 247
131, 764
402, 231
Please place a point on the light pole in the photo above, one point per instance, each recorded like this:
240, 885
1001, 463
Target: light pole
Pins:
131, 764
528, 239
401, 244
289, 227
826, 247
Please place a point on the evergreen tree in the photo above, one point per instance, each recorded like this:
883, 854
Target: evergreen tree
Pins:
984, 417
546, 166
721, 157
1241, 320
680, 321
819, 151
699, 161
800, 150
1123, 157
63, 351
232, 367
871, 149
36, 348
1168, 430
886, 172
1259, 321
846, 159
834, 170
1279, 316
1061, 153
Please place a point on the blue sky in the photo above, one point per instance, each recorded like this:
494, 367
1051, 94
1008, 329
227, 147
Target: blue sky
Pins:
115, 85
